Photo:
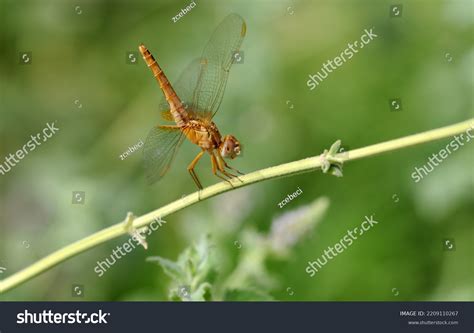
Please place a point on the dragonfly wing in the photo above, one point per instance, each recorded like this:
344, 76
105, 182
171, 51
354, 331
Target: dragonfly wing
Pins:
185, 88
159, 150
215, 63
202, 83
166, 115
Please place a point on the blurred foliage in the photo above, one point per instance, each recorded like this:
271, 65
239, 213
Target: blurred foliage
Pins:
425, 58
195, 272
192, 273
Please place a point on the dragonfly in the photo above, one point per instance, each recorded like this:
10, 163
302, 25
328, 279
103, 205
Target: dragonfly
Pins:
191, 103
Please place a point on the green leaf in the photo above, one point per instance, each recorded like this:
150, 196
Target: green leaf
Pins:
336, 170
172, 269
334, 148
192, 273
202, 293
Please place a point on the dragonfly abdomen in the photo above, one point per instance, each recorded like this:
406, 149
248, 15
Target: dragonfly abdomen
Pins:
176, 107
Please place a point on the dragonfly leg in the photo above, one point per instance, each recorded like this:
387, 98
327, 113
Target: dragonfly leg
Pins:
222, 166
229, 167
231, 175
216, 168
192, 172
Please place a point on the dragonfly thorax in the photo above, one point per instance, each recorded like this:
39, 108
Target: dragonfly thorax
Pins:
203, 133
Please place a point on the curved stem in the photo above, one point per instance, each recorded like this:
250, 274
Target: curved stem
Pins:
304, 165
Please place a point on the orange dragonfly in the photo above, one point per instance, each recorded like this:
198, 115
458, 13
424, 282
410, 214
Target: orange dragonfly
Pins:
192, 103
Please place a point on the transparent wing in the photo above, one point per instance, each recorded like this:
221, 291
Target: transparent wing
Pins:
159, 150
215, 63
185, 88
202, 83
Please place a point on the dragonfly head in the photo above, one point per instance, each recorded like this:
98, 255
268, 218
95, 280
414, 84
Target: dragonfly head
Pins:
230, 147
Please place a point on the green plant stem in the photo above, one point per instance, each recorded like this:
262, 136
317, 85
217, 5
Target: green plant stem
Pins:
304, 165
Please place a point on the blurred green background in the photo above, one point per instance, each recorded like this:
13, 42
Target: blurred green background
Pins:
79, 77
